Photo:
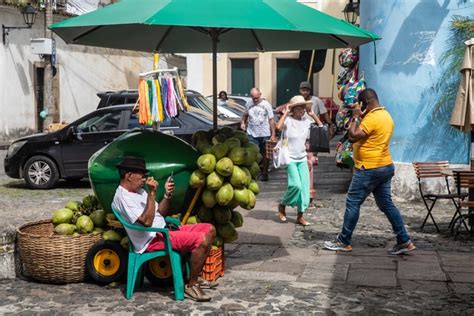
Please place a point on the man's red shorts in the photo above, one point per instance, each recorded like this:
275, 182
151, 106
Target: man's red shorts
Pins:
186, 239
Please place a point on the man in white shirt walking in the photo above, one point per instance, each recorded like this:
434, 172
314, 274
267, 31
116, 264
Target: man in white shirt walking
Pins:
260, 126
138, 207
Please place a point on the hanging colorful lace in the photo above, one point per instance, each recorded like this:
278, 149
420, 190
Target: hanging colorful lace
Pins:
160, 98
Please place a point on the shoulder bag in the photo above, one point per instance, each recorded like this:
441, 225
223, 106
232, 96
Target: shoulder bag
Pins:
281, 152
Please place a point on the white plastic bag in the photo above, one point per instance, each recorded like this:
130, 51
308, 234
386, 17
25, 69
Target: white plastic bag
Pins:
281, 153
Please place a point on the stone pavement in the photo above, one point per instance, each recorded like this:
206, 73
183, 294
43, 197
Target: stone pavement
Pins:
277, 268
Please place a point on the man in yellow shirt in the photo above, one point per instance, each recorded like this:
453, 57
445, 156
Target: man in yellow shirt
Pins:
373, 173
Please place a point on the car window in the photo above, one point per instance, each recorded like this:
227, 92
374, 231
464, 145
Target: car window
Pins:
133, 122
101, 122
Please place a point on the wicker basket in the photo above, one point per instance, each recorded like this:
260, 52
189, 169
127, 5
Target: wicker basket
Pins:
269, 146
50, 258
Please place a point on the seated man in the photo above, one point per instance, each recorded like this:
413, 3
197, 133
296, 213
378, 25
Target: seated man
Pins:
138, 207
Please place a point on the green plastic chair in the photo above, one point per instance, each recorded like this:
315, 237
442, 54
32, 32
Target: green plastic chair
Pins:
136, 260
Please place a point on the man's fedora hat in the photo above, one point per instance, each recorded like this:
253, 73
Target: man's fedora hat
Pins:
132, 163
298, 100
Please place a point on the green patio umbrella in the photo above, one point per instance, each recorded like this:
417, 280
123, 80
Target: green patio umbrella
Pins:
205, 26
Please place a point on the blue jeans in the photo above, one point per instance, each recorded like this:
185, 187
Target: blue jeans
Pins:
378, 182
260, 142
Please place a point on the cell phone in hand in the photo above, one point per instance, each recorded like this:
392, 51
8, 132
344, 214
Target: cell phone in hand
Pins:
171, 176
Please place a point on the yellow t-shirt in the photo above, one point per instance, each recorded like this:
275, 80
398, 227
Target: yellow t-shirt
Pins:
373, 151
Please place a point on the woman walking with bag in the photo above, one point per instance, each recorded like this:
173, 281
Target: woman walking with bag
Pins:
295, 127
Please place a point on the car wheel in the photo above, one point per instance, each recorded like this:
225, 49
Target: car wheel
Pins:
40, 173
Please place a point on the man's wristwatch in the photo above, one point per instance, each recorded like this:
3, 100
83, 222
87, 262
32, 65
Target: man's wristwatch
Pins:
167, 196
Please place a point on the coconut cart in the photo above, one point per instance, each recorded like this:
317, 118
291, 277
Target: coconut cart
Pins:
106, 260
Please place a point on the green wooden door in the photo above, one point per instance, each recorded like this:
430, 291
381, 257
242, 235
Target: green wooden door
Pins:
289, 76
243, 76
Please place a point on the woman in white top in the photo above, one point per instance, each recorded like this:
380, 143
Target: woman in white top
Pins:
295, 126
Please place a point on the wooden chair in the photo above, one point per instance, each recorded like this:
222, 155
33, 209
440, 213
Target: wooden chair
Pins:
136, 260
431, 170
464, 182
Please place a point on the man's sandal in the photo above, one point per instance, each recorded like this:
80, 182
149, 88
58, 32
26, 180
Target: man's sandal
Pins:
196, 293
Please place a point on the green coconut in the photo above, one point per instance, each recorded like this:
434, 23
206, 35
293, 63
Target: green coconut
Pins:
206, 163
218, 241
192, 220
124, 242
227, 232
252, 200
205, 214
65, 229
197, 179
84, 224
219, 150
198, 136
242, 136
218, 138
237, 219
252, 147
227, 131
254, 170
74, 205
248, 175
61, 216
98, 218
237, 155
232, 142
224, 167
254, 187
241, 196
98, 230
204, 146
225, 194
208, 198
251, 157
214, 181
238, 178
112, 235
222, 215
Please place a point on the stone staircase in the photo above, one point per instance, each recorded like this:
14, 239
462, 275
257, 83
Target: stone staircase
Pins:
328, 178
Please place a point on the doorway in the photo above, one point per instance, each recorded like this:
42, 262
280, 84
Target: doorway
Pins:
289, 76
39, 97
242, 75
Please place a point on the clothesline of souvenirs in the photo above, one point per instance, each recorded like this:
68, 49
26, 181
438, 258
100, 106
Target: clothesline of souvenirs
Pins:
160, 96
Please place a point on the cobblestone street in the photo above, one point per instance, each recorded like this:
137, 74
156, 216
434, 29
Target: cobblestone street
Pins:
274, 267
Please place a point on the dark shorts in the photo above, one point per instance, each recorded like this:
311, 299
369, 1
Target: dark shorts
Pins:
260, 142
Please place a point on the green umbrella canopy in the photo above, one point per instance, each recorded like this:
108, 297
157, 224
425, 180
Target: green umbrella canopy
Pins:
203, 26
184, 26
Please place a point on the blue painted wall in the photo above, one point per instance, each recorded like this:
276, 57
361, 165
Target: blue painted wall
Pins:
412, 79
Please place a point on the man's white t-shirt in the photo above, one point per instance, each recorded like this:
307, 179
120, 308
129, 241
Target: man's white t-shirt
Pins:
258, 124
130, 206
318, 107
297, 131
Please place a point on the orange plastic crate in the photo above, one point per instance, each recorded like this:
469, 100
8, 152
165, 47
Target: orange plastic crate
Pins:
214, 266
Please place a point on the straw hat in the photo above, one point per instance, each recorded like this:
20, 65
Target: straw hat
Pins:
298, 100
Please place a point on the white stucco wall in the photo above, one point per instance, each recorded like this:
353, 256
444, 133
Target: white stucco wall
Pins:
83, 71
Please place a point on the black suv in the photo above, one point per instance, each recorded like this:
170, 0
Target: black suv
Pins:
43, 159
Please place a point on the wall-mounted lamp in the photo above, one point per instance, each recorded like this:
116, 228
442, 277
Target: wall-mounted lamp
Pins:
351, 11
29, 16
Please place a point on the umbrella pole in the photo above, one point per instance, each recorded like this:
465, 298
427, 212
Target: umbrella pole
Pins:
215, 38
